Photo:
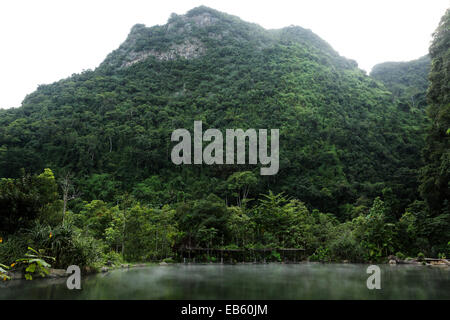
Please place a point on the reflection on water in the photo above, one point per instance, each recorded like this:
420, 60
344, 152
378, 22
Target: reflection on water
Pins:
270, 281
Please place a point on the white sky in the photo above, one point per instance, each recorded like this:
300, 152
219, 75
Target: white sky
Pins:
43, 41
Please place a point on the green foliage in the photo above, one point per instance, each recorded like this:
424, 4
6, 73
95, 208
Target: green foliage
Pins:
35, 263
375, 235
400, 255
240, 183
407, 81
4, 272
68, 245
13, 248
27, 198
100, 187
340, 133
199, 220
152, 191
276, 256
344, 245
149, 233
435, 175
240, 227
347, 188
321, 254
115, 231
96, 216
113, 258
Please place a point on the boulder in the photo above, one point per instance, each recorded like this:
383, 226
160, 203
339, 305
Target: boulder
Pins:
410, 261
140, 265
57, 273
441, 262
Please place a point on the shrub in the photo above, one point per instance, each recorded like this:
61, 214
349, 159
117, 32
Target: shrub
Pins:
67, 245
3, 272
87, 252
322, 254
35, 263
400, 255
13, 248
346, 247
276, 256
113, 257
421, 256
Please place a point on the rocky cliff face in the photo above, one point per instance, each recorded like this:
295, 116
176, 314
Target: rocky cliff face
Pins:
202, 19
184, 36
141, 43
189, 49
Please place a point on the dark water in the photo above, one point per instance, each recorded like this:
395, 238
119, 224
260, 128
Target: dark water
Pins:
271, 281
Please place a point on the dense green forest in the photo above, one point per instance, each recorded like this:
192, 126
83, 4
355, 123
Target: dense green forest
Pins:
364, 160
408, 81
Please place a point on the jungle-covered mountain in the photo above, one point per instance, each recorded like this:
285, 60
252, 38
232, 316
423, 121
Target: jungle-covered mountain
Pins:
408, 81
344, 140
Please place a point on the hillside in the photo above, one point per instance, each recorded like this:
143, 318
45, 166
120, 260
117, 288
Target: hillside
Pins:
343, 140
408, 81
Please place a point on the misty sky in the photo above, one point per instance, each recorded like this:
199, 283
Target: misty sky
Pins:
43, 41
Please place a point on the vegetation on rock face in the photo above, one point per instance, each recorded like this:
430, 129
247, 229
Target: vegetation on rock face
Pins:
350, 150
408, 82
435, 176
342, 139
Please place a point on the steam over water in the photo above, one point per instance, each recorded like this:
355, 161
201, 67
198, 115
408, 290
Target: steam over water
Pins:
270, 281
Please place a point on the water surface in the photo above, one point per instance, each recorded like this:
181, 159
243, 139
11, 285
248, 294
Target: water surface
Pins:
259, 281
